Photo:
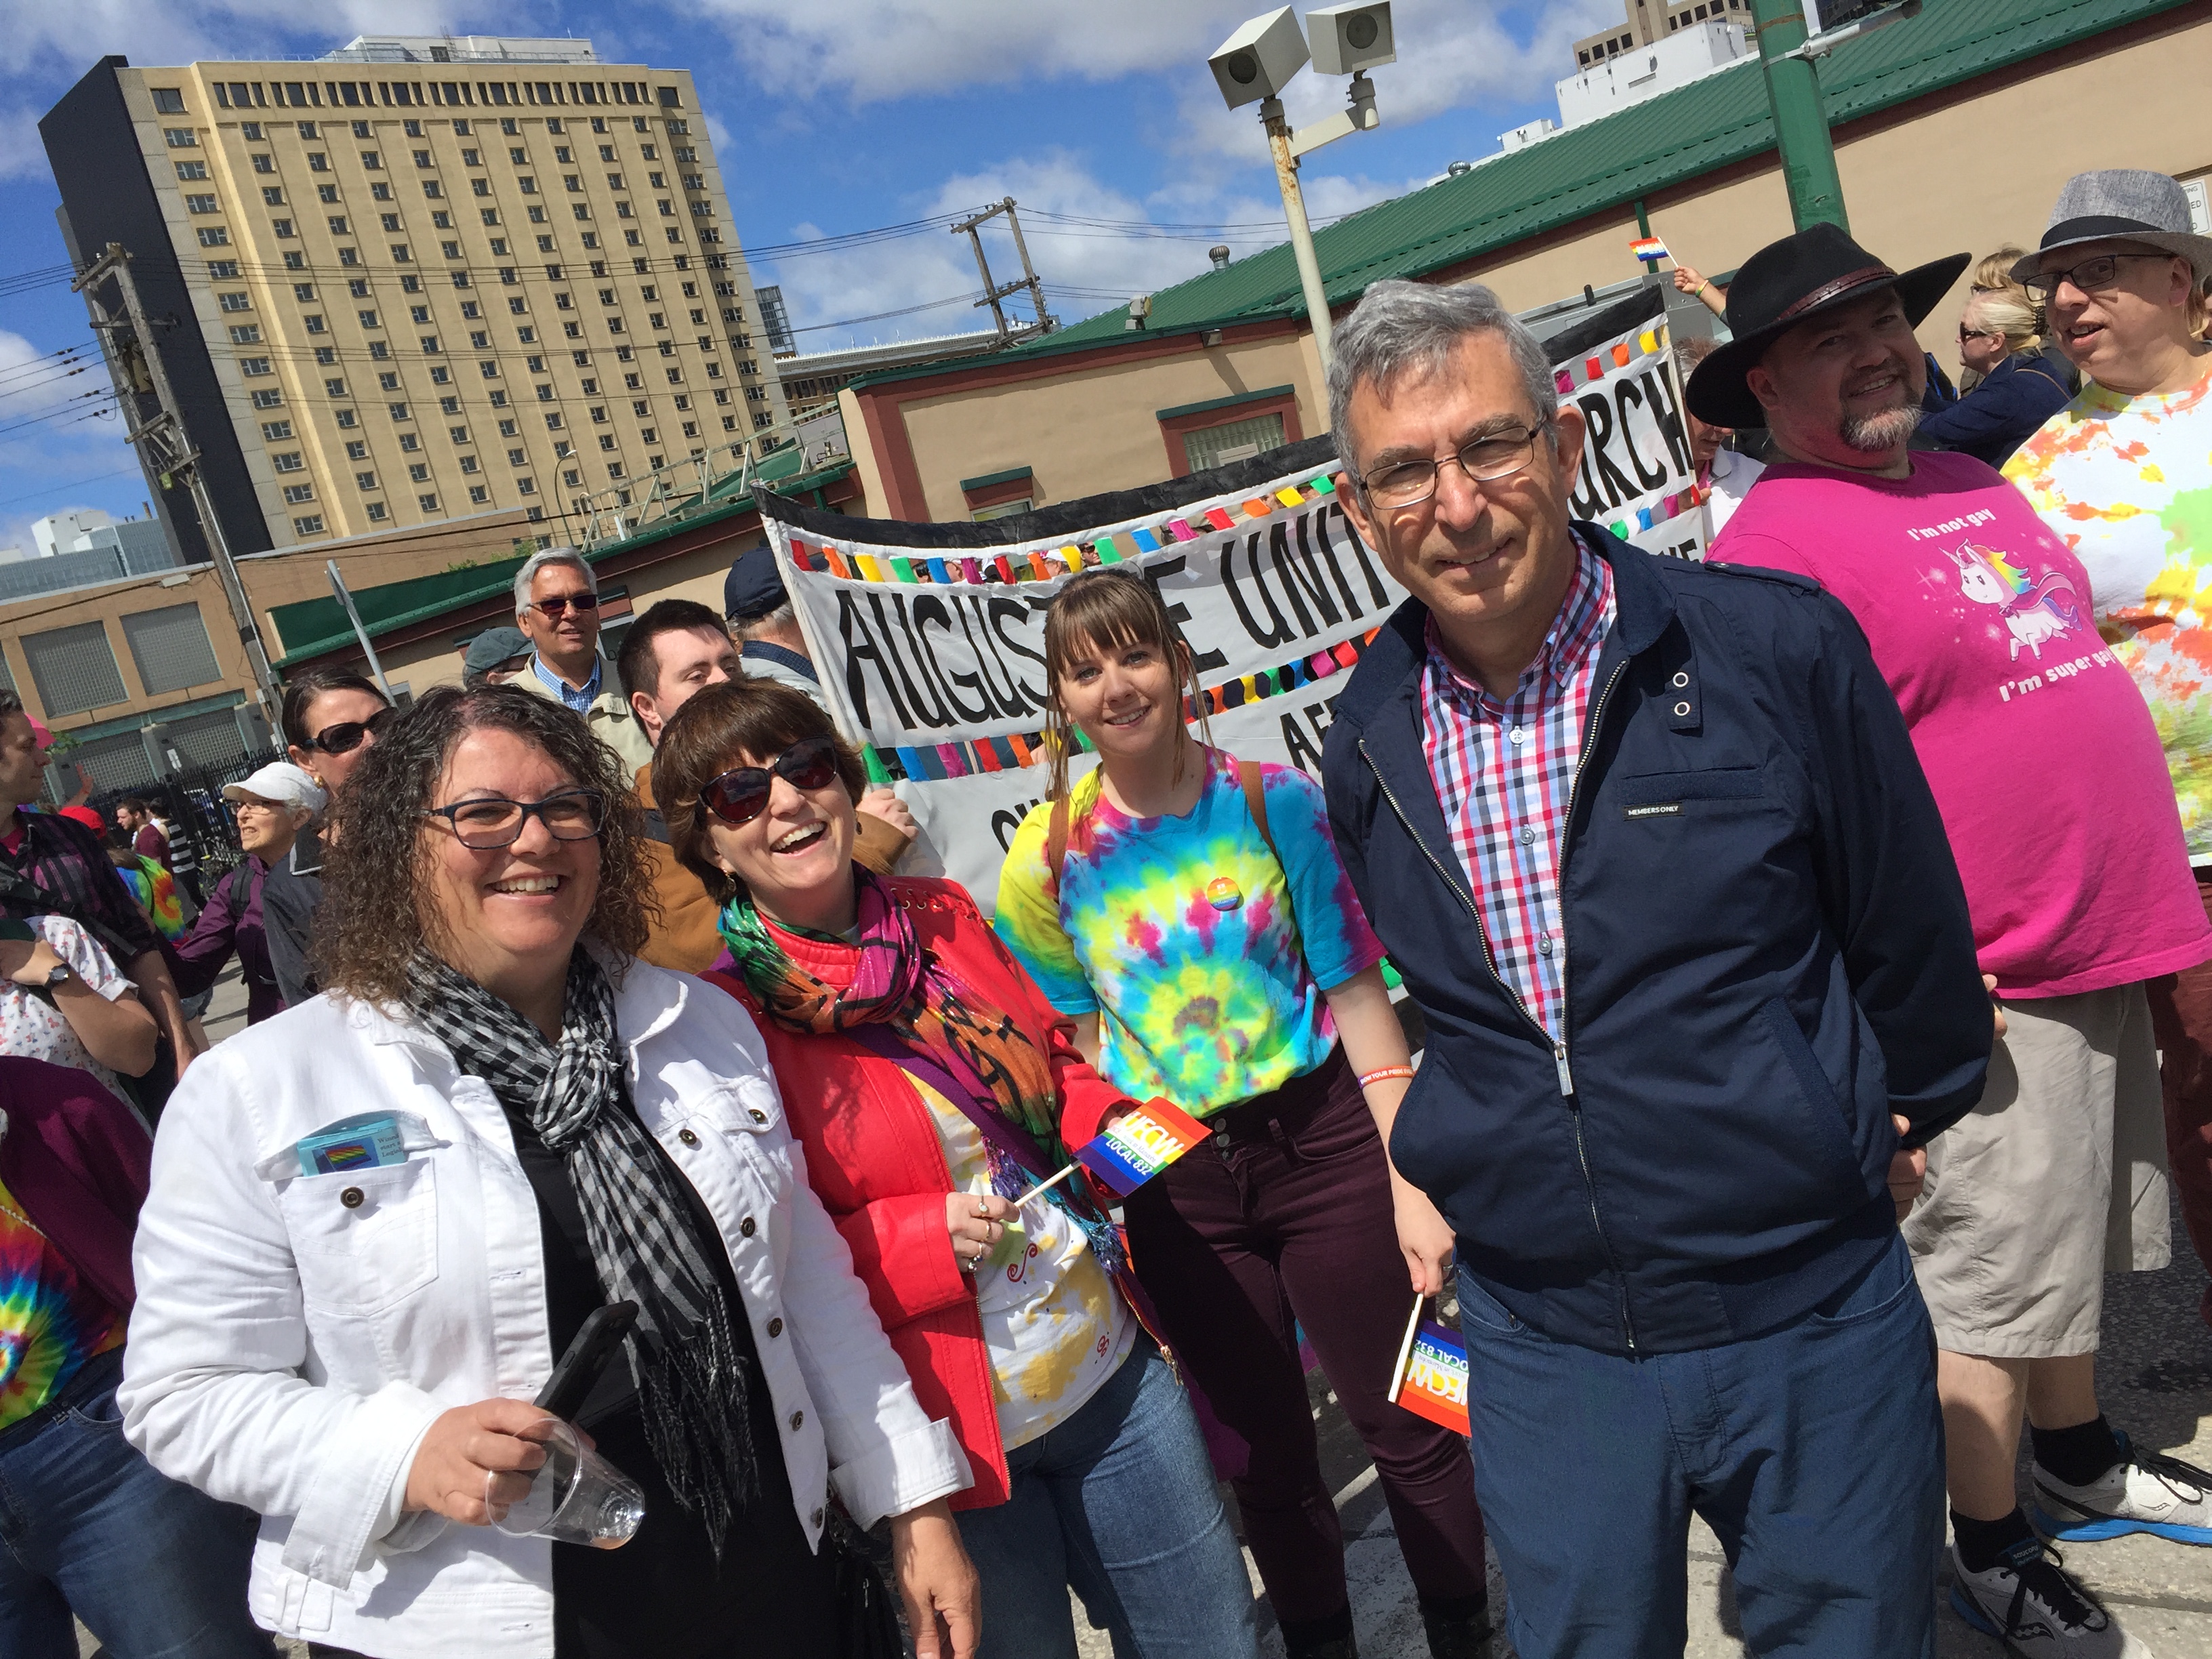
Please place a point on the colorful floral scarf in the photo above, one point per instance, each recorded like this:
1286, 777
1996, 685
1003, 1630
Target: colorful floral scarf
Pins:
909, 990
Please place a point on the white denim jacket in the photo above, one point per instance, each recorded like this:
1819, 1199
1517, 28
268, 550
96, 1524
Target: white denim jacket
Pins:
295, 1336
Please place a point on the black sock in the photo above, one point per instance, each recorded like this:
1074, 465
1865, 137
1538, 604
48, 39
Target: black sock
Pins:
2077, 1456
1982, 1544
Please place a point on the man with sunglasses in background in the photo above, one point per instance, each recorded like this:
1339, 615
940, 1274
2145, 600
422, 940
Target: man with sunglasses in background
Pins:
1648, 840
2123, 475
2055, 799
673, 652
556, 605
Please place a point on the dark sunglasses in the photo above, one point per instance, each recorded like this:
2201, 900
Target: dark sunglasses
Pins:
345, 737
740, 796
553, 606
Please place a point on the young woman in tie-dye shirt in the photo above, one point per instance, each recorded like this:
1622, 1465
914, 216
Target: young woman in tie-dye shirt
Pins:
1239, 979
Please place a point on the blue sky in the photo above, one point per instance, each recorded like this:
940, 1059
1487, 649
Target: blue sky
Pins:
830, 117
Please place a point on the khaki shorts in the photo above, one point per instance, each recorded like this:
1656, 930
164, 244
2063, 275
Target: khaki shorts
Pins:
2056, 1177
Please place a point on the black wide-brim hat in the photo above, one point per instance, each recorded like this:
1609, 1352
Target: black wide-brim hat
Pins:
1817, 270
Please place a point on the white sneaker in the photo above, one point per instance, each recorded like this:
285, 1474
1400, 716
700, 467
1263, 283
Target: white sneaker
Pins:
2029, 1602
2144, 1492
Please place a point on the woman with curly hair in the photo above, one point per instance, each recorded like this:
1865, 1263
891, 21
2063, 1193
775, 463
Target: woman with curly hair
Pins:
533, 1124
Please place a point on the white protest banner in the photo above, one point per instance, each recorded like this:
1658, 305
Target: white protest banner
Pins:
929, 638
1637, 478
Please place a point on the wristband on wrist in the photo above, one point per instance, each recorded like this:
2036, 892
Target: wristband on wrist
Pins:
1383, 1072
1700, 288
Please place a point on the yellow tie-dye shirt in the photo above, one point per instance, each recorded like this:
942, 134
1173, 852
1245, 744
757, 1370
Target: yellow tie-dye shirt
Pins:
2126, 483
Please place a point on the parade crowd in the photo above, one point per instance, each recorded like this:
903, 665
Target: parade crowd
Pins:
1810, 947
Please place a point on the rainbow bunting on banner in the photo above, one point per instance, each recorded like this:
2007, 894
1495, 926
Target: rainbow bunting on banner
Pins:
1431, 1380
1140, 1144
1650, 247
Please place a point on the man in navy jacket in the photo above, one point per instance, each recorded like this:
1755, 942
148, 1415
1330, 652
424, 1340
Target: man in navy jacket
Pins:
1651, 846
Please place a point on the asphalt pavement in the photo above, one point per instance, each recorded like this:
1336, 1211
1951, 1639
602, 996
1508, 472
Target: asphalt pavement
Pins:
2154, 1377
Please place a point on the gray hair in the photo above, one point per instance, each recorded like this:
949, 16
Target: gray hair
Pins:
753, 628
1401, 328
537, 561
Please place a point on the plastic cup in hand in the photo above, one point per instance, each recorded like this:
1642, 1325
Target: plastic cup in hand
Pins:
575, 1496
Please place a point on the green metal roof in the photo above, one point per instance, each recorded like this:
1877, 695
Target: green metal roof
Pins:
310, 628
1672, 139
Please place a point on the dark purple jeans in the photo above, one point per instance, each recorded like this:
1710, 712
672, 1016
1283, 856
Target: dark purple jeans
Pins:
1287, 1217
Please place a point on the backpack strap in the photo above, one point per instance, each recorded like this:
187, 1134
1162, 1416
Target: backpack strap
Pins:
1055, 845
1256, 801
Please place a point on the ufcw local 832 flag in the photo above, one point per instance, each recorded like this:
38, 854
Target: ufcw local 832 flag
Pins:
929, 638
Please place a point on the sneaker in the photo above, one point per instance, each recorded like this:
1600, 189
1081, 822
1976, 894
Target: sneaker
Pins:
2144, 1492
2029, 1602
1463, 1635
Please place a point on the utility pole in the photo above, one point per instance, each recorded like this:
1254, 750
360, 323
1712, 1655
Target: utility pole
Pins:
1800, 115
166, 448
993, 292
1280, 142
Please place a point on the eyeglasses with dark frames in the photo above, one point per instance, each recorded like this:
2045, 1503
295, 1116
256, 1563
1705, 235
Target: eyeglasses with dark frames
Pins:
1966, 333
345, 736
2100, 272
1486, 459
555, 607
740, 795
491, 821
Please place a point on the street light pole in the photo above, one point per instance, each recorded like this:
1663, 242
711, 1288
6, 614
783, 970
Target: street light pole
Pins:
1801, 116
1294, 210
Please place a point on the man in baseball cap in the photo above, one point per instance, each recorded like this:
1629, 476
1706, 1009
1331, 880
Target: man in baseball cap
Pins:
2054, 798
770, 644
494, 657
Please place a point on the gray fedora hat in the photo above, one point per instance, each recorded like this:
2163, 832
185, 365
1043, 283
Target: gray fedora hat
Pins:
2122, 204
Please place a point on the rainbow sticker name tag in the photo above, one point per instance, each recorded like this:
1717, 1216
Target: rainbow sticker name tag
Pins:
1433, 1382
1222, 894
367, 1142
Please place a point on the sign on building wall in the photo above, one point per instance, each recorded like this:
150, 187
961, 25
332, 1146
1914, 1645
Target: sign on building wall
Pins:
929, 638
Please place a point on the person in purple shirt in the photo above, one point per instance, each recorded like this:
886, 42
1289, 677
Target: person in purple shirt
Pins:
272, 806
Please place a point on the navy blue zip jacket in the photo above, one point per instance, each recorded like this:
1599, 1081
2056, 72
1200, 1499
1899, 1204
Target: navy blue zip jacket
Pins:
1767, 953
2001, 414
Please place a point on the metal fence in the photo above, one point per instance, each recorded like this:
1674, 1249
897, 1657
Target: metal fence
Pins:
193, 803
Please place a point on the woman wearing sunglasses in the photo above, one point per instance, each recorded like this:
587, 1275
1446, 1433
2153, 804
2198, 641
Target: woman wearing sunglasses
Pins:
1191, 915
926, 1077
352, 1352
332, 718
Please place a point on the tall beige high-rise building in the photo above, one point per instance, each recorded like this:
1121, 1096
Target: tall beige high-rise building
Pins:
421, 277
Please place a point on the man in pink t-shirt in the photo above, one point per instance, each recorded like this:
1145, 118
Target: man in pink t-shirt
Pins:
2053, 789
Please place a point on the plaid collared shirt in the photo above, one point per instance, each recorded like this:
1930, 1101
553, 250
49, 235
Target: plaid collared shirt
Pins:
67, 860
1503, 773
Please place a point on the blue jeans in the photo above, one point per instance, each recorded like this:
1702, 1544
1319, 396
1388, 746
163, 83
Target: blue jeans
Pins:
156, 1570
1814, 1452
1117, 1503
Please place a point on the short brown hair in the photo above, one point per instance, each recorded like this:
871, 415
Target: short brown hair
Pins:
637, 665
370, 925
1106, 608
717, 729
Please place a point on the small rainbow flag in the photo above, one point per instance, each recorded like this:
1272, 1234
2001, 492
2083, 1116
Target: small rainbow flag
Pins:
1140, 1144
1431, 1377
1650, 247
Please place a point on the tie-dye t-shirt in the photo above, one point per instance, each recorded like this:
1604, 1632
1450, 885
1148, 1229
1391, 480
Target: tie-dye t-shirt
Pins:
1054, 1325
2126, 483
1204, 953
50, 1323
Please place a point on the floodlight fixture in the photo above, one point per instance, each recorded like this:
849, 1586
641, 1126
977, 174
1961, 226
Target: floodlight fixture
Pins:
1259, 60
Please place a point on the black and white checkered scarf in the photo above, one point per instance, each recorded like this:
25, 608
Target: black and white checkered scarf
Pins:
692, 1383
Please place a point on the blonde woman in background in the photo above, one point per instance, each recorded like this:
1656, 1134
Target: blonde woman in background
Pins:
2019, 384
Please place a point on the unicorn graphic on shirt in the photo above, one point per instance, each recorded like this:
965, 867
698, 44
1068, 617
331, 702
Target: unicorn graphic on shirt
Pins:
2034, 611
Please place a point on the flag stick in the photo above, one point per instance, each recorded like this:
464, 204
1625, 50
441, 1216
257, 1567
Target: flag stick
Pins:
1405, 1349
1046, 1186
